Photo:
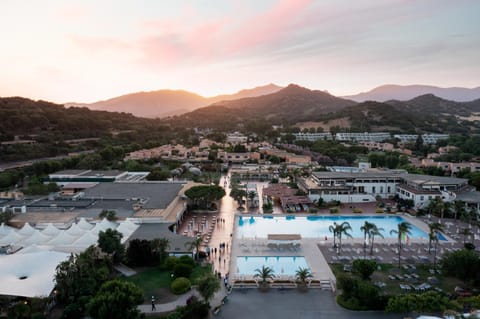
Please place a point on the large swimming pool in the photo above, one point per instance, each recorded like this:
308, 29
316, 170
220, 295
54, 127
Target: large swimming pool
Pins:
317, 226
246, 265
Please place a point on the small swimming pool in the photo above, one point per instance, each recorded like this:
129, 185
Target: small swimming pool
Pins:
281, 265
317, 226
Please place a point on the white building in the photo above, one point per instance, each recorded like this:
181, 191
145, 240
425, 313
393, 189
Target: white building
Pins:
362, 137
313, 136
236, 138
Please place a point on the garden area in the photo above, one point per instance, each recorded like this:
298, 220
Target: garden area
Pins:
406, 288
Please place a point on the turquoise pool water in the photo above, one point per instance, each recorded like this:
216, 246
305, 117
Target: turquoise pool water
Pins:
287, 266
317, 226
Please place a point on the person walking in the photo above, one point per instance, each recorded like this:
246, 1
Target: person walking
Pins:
153, 304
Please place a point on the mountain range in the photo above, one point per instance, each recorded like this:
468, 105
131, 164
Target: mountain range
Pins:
407, 92
163, 103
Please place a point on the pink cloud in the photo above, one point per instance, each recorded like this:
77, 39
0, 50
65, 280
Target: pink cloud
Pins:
97, 44
220, 38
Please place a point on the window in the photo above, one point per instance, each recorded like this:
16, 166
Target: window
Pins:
388, 189
373, 189
422, 198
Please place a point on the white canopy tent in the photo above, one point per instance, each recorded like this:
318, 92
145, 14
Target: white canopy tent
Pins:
86, 240
5, 230
75, 231
33, 249
51, 230
83, 224
26, 230
62, 239
36, 238
29, 275
11, 239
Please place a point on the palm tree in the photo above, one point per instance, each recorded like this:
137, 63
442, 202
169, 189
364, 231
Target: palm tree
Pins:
160, 246
403, 228
343, 229
459, 208
195, 244
435, 228
302, 274
333, 229
264, 274
466, 233
366, 228
251, 197
375, 231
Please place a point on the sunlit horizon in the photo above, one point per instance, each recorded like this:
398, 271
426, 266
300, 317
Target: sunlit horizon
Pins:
85, 51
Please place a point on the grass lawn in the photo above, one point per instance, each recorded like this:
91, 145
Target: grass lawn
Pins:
156, 282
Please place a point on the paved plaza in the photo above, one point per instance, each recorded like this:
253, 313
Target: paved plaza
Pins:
289, 304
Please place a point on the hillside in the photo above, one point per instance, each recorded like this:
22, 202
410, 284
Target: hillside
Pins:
407, 92
163, 103
287, 106
50, 126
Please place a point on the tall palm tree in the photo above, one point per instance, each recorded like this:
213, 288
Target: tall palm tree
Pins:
302, 274
195, 244
375, 231
459, 208
333, 230
466, 232
264, 274
366, 228
160, 246
403, 229
343, 229
435, 228
251, 197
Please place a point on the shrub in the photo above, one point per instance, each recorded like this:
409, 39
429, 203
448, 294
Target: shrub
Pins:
182, 270
187, 260
469, 246
334, 210
364, 268
379, 210
202, 255
180, 285
357, 210
171, 262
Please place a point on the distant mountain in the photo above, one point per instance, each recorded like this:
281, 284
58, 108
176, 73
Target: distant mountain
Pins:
287, 106
407, 92
431, 104
163, 103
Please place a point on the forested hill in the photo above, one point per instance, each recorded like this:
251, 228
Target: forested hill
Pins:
20, 116
287, 106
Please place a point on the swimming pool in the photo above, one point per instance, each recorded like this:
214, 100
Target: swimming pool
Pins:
317, 226
281, 265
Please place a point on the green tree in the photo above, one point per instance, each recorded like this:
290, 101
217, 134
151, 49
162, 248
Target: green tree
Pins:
251, 196
265, 273
375, 231
434, 228
159, 248
195, 244
110, 241
207, 286
364, 268
116, 299
110, 215
302, 274
343, 229
204, 195
403, 229
158, 174
366, 229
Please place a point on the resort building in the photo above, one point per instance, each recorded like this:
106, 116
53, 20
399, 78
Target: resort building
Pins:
286, 197
86, 176
254, 172
354, 187
426, 138
236, 138
362, 137
312, 137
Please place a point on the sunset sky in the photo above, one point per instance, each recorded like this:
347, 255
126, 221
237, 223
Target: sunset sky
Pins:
83, 51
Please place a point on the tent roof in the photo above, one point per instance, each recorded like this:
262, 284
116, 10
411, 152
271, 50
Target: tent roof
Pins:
62, 239
75, 230
5, 229
29, 275
36, 238
86, 240
83, 224
51, 230
12, 238
26, 230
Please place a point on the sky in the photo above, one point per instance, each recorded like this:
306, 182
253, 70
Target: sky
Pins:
90, 50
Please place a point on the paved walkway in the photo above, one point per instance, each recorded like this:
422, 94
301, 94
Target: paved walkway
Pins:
170, 306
